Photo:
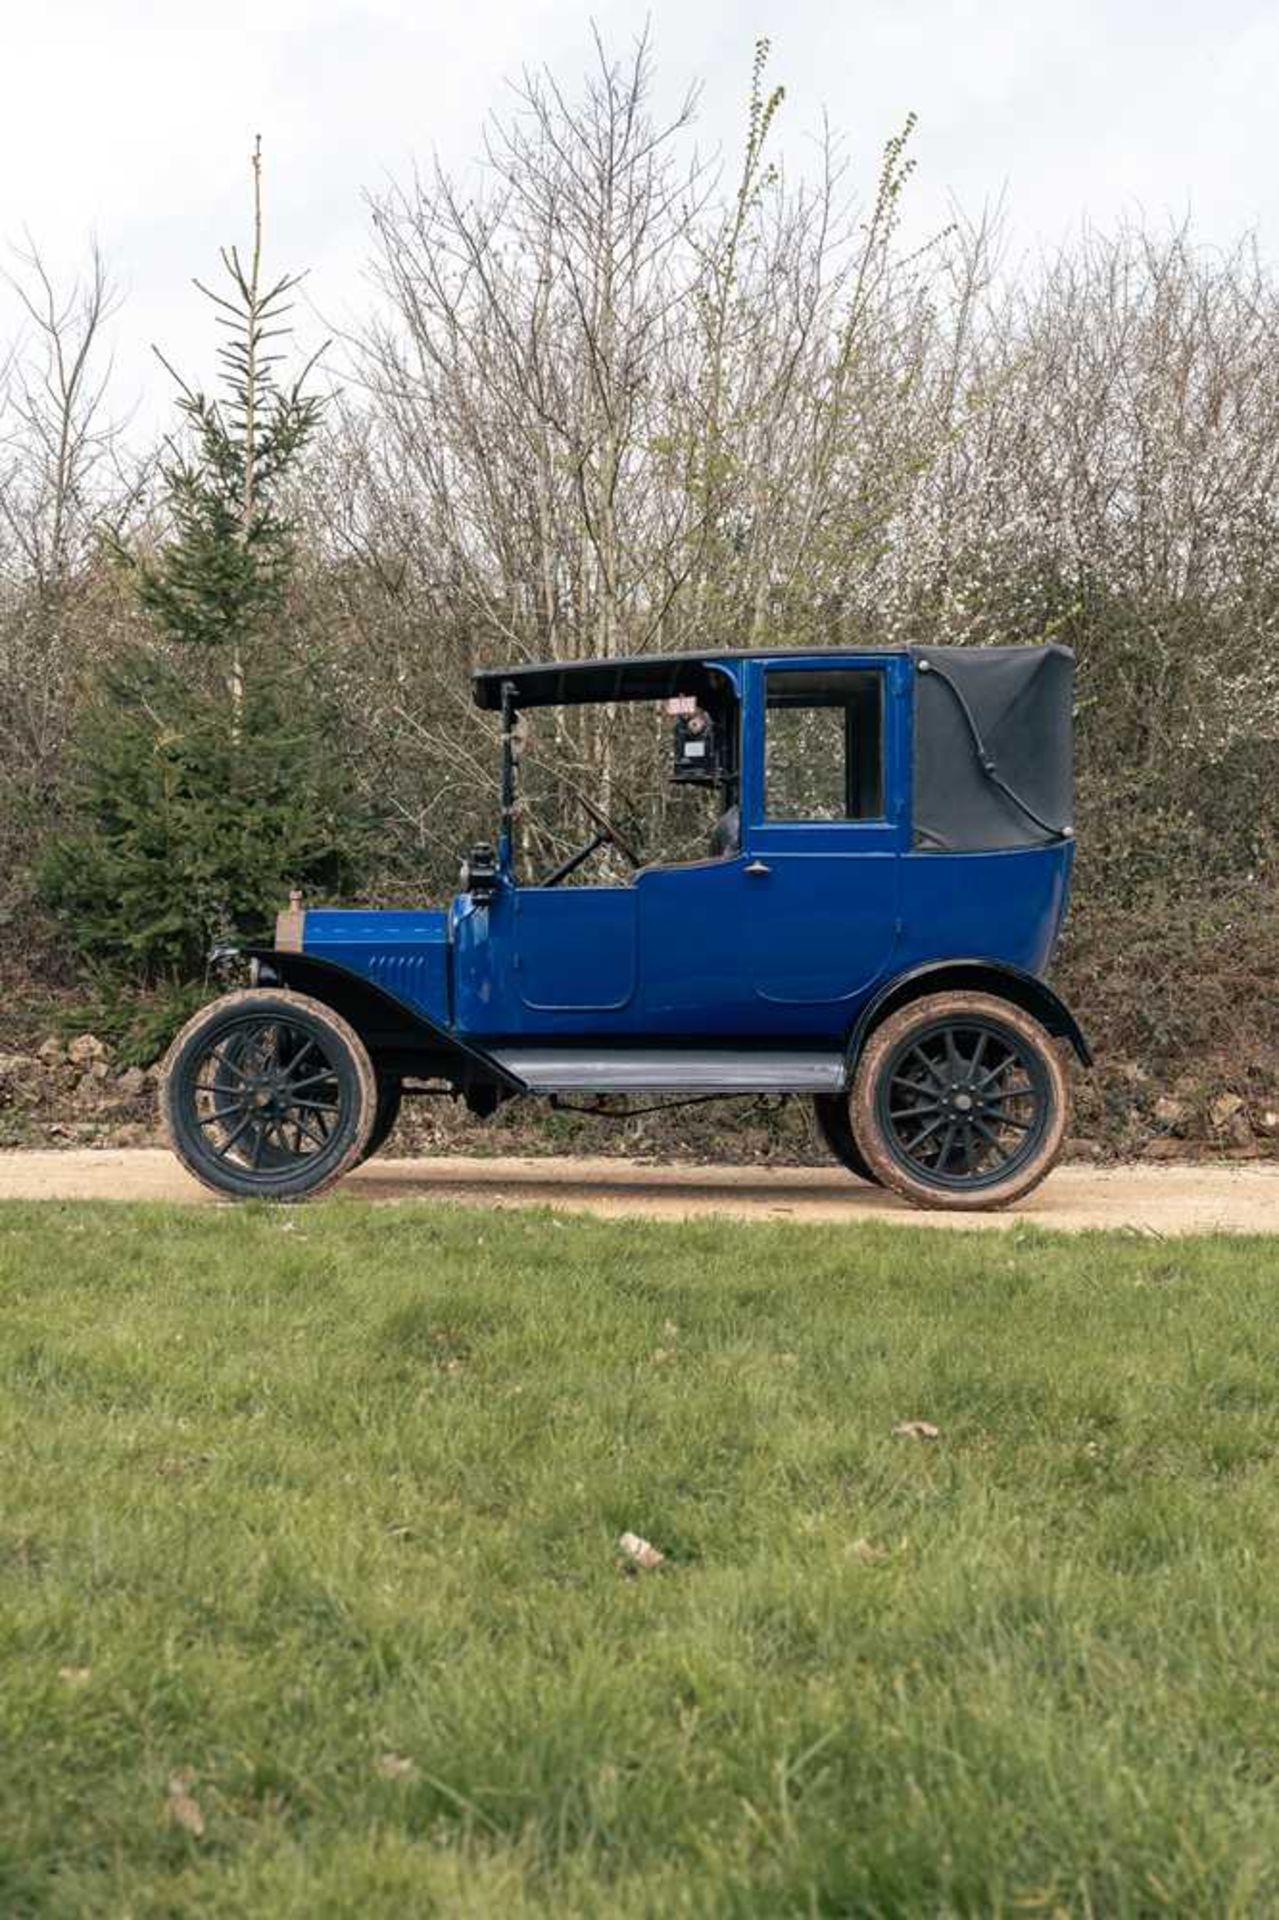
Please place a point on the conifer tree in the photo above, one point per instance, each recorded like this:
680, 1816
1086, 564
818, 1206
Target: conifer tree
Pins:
208, 772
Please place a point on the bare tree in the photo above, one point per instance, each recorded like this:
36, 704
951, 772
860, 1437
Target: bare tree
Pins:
619, 399
56, 439
62, 476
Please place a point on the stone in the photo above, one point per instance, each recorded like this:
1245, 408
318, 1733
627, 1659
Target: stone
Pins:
50, 1051
132, 1082
13, 1066
86, 1047
1267, 1122
1223, 1110
1238, 1131
1163, 1148
1171, 1113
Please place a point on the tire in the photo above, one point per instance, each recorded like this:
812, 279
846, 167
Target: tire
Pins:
388, 1112
960, 1101
231, 1095
835, 1128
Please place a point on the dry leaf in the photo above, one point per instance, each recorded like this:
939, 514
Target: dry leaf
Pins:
868, 1553
181, 1808
640, 1551
917, 1430
396, 1766
75, 1676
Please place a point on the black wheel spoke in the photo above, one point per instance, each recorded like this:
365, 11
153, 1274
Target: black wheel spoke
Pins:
921, 1137
233, 1136
315, 1106
927, 1087
988, 1079
297, 1061
228, 1064
917, 1053
312, 1080
219, 1113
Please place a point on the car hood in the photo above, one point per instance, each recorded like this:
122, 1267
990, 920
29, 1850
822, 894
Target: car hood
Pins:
404, 952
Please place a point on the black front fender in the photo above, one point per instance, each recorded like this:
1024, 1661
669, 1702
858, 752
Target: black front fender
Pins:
1025, 990
399, 1038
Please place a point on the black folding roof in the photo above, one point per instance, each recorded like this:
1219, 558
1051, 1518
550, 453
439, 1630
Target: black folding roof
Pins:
645, 676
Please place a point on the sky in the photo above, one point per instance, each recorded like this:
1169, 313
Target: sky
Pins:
130, 122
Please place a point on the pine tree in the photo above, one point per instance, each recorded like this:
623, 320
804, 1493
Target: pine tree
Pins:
208, 773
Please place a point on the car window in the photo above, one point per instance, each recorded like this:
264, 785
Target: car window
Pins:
823, 744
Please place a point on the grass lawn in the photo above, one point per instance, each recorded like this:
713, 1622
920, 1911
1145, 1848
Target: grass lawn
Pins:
310, 1603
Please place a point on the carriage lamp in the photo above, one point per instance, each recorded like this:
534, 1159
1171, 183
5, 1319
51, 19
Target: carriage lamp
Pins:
695, 760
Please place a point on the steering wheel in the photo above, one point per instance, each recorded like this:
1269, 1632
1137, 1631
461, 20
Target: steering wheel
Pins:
605, 833
609, 831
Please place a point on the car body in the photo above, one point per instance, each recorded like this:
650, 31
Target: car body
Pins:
895, 828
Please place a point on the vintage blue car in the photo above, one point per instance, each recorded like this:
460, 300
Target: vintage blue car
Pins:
869, 927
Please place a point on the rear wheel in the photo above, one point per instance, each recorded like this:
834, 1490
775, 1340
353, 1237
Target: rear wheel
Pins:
834, 1124
960, 1101
268, 1093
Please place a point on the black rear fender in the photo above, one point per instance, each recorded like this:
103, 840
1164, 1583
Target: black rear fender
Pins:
1025, 990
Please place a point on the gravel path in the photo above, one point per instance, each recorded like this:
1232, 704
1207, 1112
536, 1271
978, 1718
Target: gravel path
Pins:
1163, 1199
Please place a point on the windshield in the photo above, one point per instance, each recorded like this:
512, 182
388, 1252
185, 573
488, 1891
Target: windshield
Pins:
574, 764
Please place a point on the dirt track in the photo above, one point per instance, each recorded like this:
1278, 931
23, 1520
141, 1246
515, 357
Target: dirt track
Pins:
1160, 1199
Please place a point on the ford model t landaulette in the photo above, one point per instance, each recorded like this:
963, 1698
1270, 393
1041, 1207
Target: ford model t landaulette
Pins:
867, 925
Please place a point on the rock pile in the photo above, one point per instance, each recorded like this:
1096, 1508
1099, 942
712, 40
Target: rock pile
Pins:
65, 1093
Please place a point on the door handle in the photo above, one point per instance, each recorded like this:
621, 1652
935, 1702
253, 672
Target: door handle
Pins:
757, 866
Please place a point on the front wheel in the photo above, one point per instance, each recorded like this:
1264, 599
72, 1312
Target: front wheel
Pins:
389, 1094
960, 1101
268, 1094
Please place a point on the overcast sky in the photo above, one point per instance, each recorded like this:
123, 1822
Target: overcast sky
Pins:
131, 120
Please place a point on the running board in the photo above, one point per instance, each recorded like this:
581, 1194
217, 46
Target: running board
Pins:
672, 1070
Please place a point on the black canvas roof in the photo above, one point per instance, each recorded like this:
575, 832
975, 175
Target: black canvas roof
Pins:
655, 676
645, 676
992, 746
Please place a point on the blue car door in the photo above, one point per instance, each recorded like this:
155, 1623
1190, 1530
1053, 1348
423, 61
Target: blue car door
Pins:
824, 826
574, 948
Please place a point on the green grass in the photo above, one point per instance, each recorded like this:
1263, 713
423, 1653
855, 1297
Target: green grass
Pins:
303, 1491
